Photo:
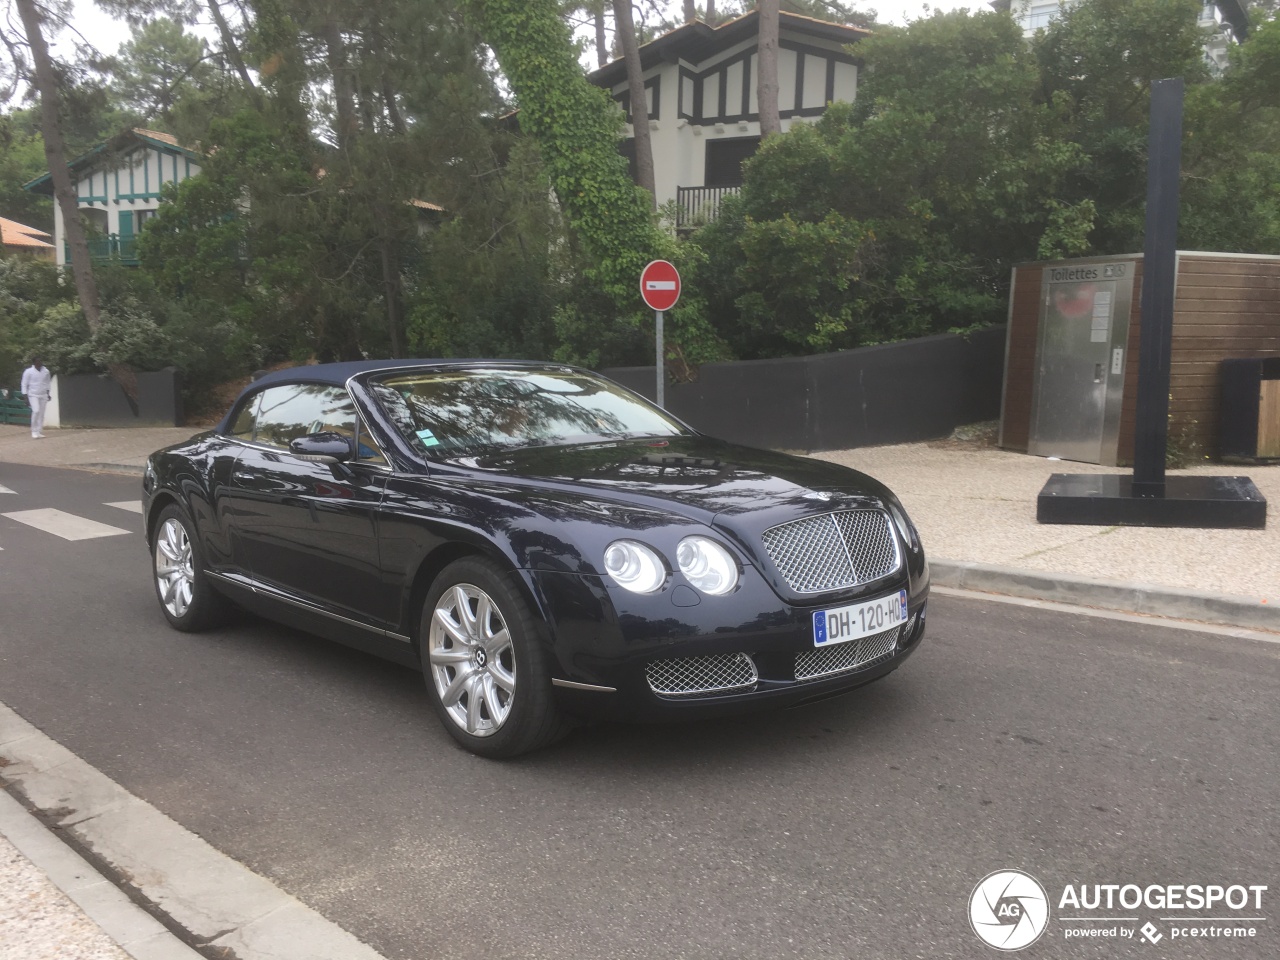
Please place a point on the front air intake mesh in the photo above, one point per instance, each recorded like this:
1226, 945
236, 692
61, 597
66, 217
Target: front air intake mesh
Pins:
846, 657
702, 676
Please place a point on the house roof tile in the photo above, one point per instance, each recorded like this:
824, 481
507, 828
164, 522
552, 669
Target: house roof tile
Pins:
14, 234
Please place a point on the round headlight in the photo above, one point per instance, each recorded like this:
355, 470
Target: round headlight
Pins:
707, 565
634, 566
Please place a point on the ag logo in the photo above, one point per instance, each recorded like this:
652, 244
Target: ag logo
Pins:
1008, 910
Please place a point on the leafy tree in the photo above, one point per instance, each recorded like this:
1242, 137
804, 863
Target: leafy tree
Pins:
166, 77
1098, 61
577, 128
969, 150
22, 159
320, 245
888, 218
1231, 161
28, 288
489, 284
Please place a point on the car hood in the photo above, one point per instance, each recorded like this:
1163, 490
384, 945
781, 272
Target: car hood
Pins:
699, 477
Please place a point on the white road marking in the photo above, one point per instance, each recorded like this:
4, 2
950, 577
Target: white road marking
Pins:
4, 489
133, 506
65, 525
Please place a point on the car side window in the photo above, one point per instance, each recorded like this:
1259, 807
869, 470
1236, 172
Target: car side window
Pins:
295, 410
367, 450
242, 427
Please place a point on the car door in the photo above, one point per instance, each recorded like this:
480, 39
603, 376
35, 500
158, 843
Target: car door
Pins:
309, 531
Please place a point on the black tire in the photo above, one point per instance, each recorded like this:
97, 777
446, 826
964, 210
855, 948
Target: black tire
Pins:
486, 670
187, 598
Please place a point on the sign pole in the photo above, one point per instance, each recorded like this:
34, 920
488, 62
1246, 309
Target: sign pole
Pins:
659, 365
660, 289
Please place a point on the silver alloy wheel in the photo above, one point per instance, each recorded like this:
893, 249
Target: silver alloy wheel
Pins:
175, 568
471, 659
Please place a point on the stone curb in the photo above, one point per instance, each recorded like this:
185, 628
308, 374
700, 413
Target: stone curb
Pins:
130, 927
1109, 595
110, 468
221, 903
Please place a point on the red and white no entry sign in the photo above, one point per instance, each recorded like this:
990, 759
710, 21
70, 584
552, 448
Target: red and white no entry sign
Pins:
660, 285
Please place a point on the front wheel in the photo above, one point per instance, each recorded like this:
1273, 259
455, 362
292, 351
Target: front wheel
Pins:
486, 671
187, 598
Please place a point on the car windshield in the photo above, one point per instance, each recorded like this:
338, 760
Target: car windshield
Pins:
451, 412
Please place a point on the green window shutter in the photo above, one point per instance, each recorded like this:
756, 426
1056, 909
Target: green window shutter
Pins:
126, 249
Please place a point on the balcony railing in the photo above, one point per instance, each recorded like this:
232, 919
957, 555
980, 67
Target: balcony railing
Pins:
113, 246
697, 206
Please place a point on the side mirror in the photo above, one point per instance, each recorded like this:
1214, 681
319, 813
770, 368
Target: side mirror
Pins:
325, 447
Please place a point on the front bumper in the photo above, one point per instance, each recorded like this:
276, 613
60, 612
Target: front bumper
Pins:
614, 652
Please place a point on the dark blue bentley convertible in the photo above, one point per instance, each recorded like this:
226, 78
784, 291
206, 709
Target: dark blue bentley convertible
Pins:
539, 541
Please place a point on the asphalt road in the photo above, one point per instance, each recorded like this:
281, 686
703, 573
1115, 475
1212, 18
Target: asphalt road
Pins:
1081, 750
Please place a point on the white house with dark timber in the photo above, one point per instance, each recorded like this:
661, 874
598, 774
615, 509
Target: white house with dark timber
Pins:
704, 119
118, 187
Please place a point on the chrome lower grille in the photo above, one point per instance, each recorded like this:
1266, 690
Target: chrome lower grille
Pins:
699, 676
834, 550
845, 657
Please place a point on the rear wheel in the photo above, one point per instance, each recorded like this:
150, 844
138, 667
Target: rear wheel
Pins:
486, 670
188, 600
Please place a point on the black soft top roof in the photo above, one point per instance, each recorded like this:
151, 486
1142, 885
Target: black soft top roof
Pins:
339, 373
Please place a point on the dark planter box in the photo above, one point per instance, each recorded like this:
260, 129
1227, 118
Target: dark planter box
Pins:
88, 400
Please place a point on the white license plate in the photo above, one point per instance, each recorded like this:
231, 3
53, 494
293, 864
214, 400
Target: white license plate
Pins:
858, 620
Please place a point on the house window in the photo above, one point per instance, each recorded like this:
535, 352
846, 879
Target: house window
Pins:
724, 160
142, 217
1038, 14
653, 99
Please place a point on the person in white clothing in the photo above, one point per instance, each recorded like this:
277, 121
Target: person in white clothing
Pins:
36, 380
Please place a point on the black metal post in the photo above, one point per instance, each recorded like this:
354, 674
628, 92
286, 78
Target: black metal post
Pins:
1159, 277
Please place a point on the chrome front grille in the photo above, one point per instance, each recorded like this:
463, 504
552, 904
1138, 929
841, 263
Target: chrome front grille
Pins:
834, 550
845, 657
700, 676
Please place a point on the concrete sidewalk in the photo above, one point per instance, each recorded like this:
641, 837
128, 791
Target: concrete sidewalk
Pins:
974, 506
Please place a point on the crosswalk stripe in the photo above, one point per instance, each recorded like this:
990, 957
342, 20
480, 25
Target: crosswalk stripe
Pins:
4, 489
133, 506
65, 525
